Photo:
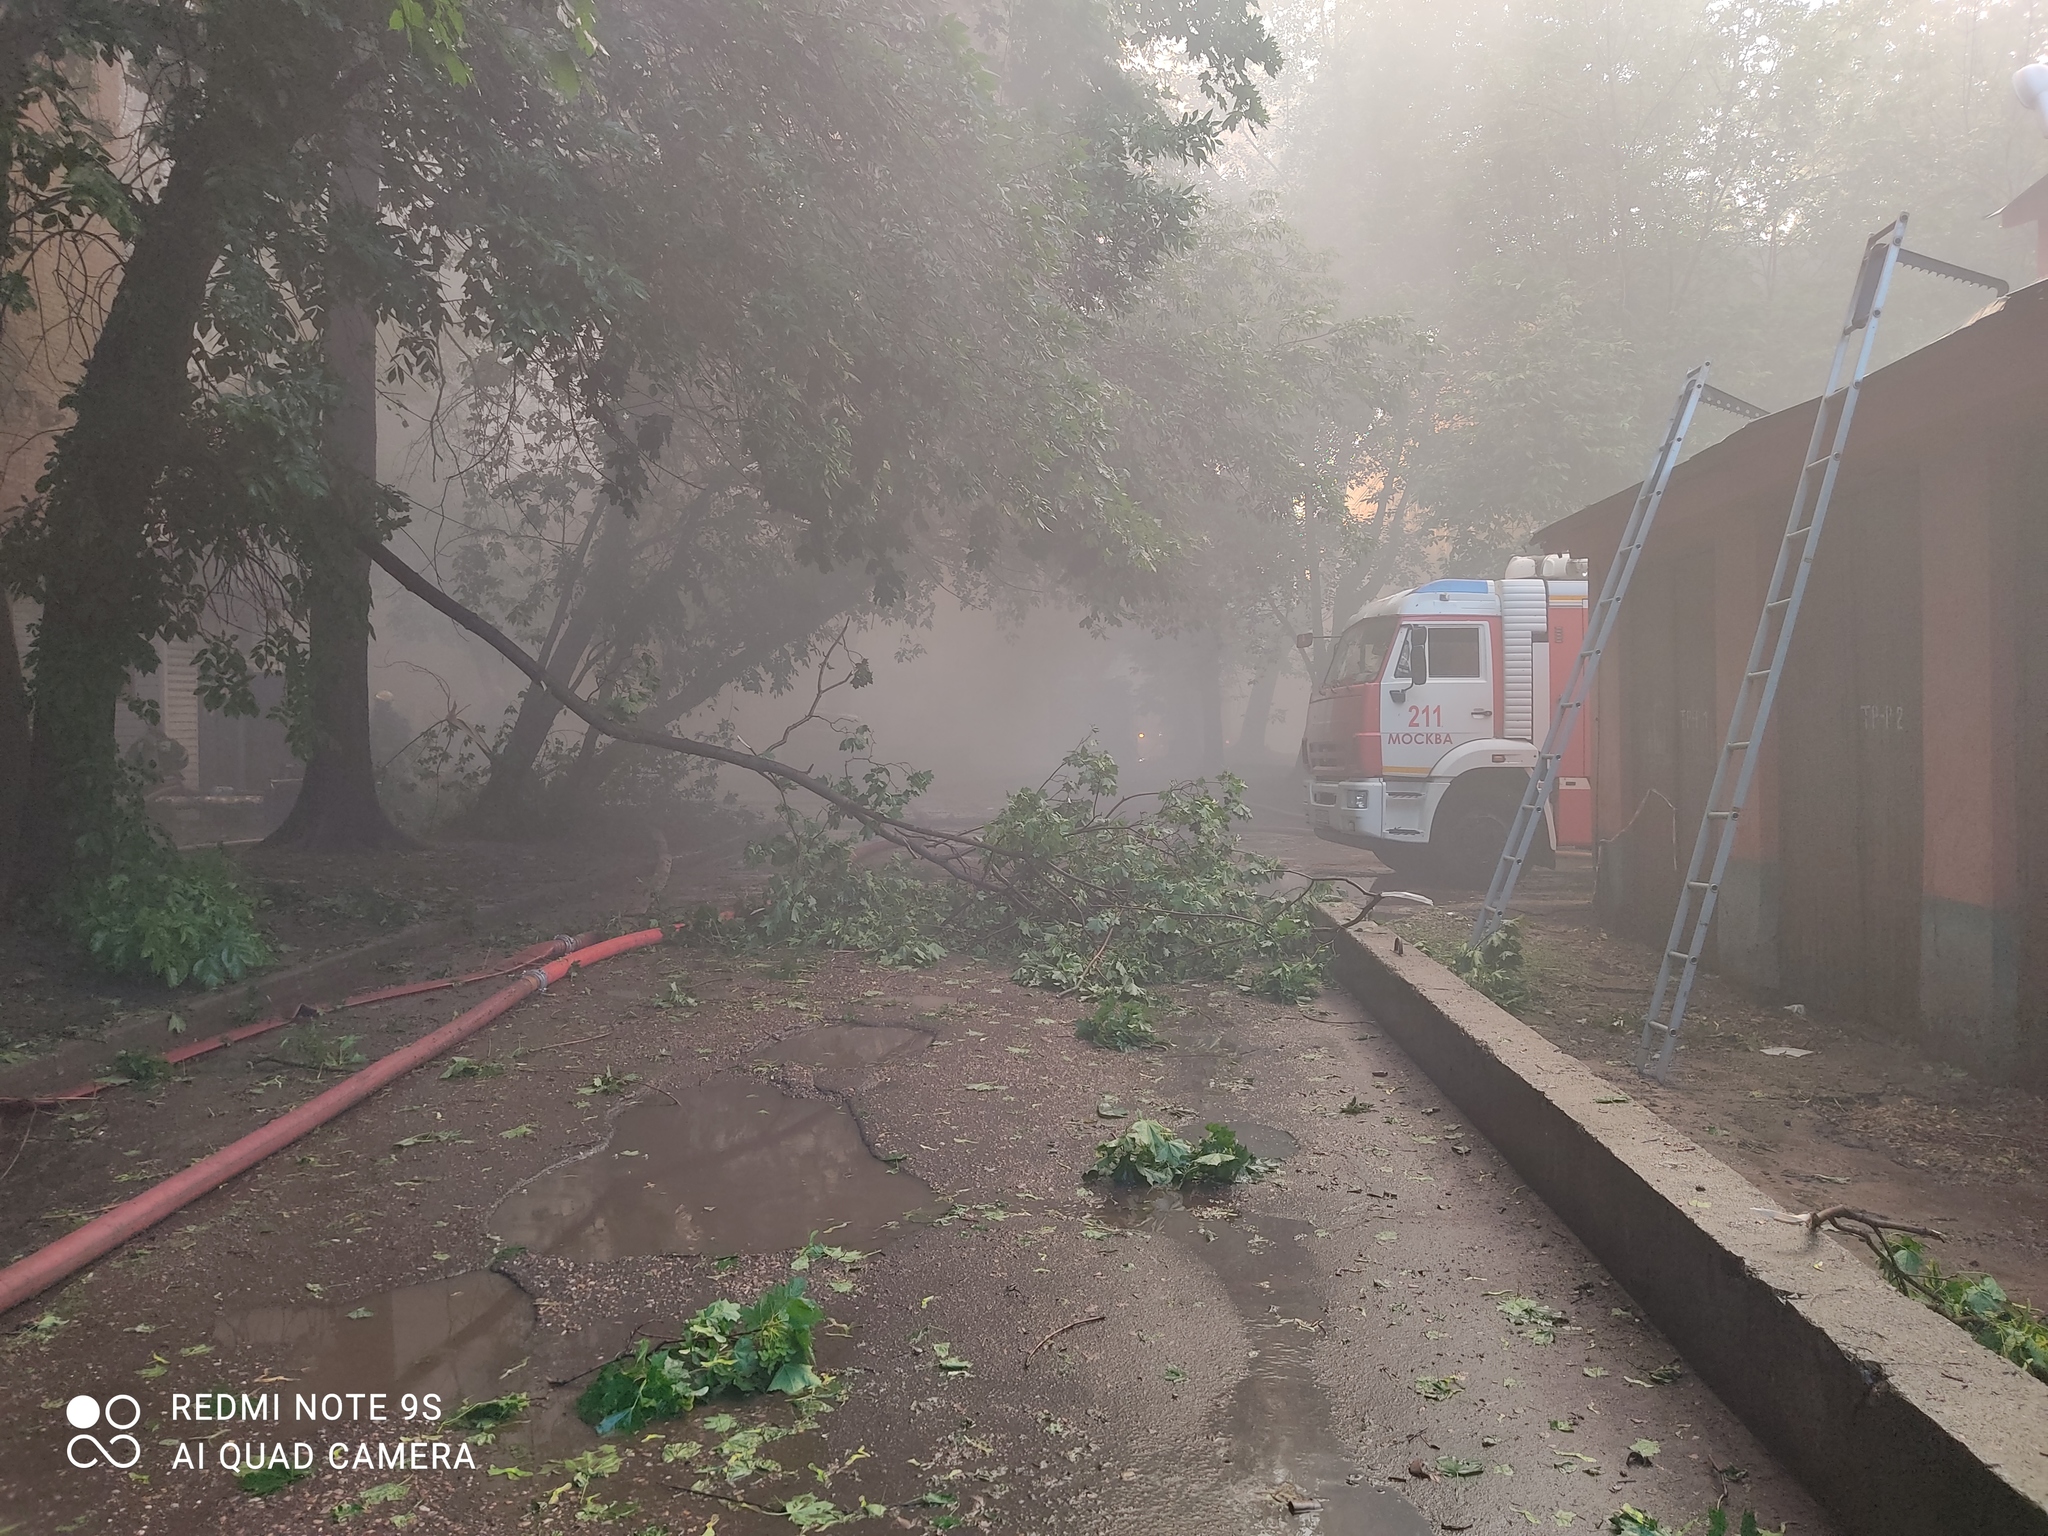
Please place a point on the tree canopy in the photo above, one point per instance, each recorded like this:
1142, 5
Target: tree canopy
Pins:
698, 299
1580, 200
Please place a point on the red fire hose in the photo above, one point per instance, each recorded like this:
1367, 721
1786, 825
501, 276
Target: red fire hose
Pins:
46, 1266
561, 944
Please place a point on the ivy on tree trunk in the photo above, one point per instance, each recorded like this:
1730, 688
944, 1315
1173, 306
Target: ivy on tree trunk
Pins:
102, 597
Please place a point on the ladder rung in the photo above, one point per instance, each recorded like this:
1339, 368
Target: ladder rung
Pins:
1832, 418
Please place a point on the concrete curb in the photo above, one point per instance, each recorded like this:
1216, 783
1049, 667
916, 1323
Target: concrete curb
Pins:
1896, 1419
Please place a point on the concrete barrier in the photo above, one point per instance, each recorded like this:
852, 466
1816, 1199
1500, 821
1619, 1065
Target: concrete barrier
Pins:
1896, 1419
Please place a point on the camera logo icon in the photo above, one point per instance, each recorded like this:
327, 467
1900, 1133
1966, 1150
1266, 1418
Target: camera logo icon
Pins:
119, 1412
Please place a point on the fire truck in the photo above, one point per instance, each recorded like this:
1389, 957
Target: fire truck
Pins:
1424, 726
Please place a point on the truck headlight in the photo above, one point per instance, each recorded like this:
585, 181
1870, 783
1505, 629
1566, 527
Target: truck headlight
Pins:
1357, 799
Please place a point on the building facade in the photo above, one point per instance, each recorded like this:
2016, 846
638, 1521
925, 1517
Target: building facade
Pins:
1892, 862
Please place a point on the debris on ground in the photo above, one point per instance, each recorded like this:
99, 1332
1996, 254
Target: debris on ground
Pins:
1149, 1153
1120, 1024
726, 1348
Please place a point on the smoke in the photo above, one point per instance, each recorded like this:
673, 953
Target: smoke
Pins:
992, 702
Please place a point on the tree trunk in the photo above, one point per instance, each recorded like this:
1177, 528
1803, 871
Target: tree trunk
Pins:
101, 603
24, 33
14, 748
1258, 715
337, 809
508, 789
1209, 701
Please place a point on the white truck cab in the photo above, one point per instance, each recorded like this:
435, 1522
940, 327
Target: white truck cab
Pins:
1423, 729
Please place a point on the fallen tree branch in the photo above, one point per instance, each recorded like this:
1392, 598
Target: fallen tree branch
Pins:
1869, 1229
1841, 1213
557, 1045
946, 850
1079, 1322
1058, 869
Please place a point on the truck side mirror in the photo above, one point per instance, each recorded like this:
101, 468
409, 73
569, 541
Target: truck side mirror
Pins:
1303, 642
1413, 667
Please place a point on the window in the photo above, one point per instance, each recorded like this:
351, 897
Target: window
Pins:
1454, 650
1360, 652
1444, 650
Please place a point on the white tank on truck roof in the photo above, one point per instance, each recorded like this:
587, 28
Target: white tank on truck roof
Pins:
1548, 567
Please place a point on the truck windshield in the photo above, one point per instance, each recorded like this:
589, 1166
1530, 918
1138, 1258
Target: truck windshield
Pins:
1361, 650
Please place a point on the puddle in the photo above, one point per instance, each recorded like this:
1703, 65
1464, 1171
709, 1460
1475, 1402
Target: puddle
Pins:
467, 1339
726, 1169
870, 1012
1266, 1141
1276, 1425
459, 1337
842, 1055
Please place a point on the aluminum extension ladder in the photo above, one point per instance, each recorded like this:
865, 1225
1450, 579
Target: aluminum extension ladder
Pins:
1564, 721
1882, 254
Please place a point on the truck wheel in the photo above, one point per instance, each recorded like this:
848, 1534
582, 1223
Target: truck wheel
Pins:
1472, 844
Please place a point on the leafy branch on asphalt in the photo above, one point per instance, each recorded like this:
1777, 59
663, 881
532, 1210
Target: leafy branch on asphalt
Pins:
1084, 891
1149, 1153
1120, 1024
725, 1348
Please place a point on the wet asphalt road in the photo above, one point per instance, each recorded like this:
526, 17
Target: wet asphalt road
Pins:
1325, 1351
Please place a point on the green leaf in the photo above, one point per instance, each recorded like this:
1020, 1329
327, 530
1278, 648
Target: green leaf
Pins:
267, 1480
794, 1376
1531, 1319
808, 1512
426, 1138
